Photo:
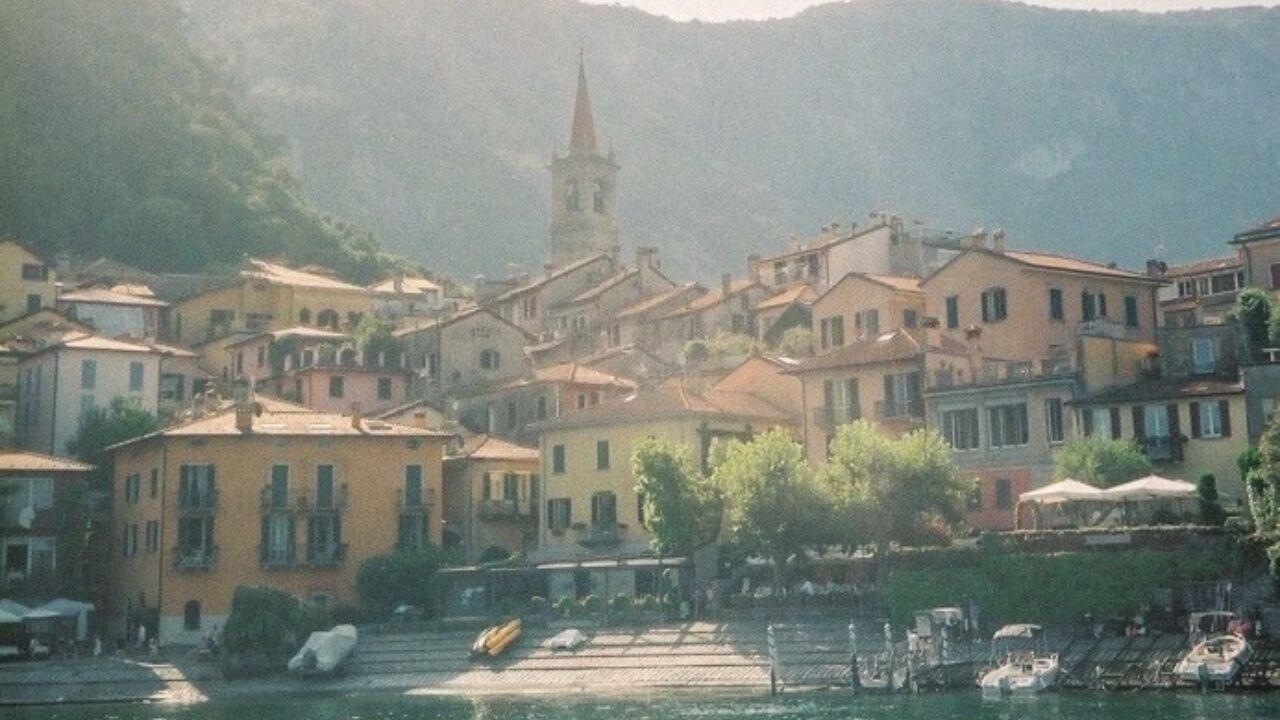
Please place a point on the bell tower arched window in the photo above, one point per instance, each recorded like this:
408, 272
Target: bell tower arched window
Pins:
597, 195
571, 198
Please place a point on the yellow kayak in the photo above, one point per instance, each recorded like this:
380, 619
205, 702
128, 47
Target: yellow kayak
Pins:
495, 640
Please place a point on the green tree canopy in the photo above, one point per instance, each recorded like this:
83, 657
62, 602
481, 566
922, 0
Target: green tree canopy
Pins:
403, 576
1101, 462
681, 507
773, 504
903, 490
102, 427
1254, 309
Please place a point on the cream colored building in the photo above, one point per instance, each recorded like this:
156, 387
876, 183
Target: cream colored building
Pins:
28, 282
492, 496
464, 353
1259, 250
263, 493
863, 307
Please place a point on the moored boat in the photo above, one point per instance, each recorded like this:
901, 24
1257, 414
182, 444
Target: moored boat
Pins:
1023, 671
495, 640
326, 652
1215, 661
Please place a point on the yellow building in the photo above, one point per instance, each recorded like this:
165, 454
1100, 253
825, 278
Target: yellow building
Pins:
862, 307
491, 498
28, 281
263, 493
269, 296
1259, 250
592, 508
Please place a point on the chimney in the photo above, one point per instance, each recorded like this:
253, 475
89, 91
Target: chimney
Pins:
726, 280
244, 416
753, 267
397, 283
835, 228
420, 419
646, 256
997, 240
356, 415
1156, 268
979, 238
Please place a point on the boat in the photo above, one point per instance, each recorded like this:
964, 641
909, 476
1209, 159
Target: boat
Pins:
570, 639
495, 640
326, 652
1215, 661
1023, 671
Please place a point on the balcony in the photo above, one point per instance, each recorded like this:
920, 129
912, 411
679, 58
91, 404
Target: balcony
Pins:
326, 554
271, 504
336, 505
277, 557
999, 373
595, 536
504, 509
910, 410
829, 418
198, 505
195, 558
1162, 449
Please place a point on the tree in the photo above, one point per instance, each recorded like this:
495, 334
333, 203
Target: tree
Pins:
773, 504
401, 577
681, 507
102, 427
887, 489
1099, 462
796, 342
1211, 512
1255, 311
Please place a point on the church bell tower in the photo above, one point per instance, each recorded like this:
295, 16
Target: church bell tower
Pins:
584, 190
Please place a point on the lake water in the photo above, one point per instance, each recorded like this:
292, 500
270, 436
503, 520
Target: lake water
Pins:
660, 706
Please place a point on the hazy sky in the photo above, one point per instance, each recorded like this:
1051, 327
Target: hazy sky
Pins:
716, 10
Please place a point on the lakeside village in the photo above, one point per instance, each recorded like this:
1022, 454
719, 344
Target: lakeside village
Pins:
940, 437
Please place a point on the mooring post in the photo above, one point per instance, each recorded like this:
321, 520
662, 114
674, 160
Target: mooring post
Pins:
855, 680
773, 661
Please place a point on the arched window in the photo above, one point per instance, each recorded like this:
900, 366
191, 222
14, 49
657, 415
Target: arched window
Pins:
489, 360
191, 616
328, 318
571, 199
597, 195
494, 553
304, 316
348, 357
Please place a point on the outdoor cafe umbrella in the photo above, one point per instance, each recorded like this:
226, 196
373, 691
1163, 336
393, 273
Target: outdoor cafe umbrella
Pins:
8, 618
1060, 492
14, 607
67, 608
1151, 487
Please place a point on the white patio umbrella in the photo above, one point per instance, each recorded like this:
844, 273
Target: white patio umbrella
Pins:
1060, 492
8, 618
14, 607
1151, 487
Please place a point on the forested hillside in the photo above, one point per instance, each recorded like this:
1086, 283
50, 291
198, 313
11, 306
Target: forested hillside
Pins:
117, 139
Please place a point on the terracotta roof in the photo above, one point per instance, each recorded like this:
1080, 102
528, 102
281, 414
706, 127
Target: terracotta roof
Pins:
134, 289
604, 286
406, 407
56, 317
409, 285
715, 297
1263, 231
222, 423
822, 242
170, 350
890, 347
284, 275
19, 461
86, 341
1049, 261
897, 282
555, 274
103, 296
485, 447
300, 331
672, 399
796, 293
1200, 267
458, 317
1176, 388
574, 374
650, 303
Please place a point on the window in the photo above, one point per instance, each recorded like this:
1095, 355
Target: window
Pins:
432, 361
34, 302
582, 400
602, 454
994, 305
137, 374
1102, 305
196, 486
153, 536
1088, 306
489, 360
511, 414
867, 323
595, 397
262, 355
1056, 311
1004, 493
304, 316
131, 540
413, 485
1008, 425
1098, 423
384, 388
155, 484
1131, 311
35, 271
557, 459
1155, 422
240, 363
88, 374
841, 401
960, 428
1223, 283
902, 395
1210, 420
604, 510
910, 318
831, 331
1053, 421
572, 201
542, 407
953, 312
336, 386
131, 488
324, 486
279, 486
191, 616
511, 487
1204, 355
559, 514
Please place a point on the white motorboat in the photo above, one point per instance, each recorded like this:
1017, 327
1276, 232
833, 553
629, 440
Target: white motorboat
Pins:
325, 652
1022, 674
1024, 671
570, 639
1215, 661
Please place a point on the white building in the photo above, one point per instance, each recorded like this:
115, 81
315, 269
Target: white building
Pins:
58, 383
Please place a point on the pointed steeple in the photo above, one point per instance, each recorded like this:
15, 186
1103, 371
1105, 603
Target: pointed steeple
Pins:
582, 136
